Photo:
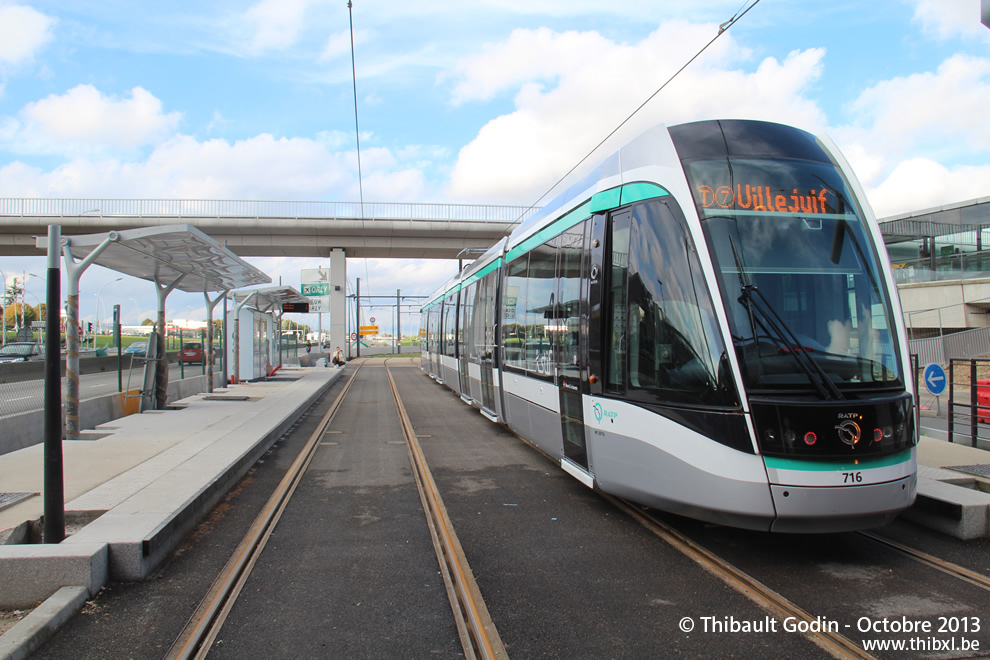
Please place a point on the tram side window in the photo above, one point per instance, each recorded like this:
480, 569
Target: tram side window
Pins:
567, 313
541, 277
482, 319
449, 325
464, 329
617, 311
674, 348
431, 330
424, 326
513, 312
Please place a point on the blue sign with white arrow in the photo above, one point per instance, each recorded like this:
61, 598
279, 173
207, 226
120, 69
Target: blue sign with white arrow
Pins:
935, 379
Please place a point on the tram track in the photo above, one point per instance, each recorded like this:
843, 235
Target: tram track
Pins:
479, 636
835, 643
477, 632
947, 567
198, 635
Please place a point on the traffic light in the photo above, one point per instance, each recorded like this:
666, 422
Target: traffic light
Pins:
90, 329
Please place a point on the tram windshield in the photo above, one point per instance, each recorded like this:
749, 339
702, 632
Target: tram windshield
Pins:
798, 274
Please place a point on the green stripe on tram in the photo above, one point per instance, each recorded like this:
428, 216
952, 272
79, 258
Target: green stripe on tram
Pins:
557, 227
602, 201
833, 465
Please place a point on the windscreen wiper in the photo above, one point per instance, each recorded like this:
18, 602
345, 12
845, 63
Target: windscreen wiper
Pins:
816, 375
754, 300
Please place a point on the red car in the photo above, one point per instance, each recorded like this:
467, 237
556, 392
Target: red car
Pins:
192, 352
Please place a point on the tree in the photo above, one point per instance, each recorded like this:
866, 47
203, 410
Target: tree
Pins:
13, 292
147, 322
13, 314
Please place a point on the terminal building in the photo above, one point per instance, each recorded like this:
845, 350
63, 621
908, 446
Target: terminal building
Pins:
941, 261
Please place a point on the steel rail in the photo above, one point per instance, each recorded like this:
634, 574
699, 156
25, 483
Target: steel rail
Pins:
836, 644
197, 637
467, 604
947, 567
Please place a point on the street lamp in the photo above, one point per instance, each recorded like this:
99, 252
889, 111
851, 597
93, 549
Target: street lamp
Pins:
99, 324
138, 308
24, 294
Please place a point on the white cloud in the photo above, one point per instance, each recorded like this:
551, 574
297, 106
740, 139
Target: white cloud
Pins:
85, 120
262, 167
929, 108
947, 19
913, 134
339, 44
23, 32
275, 24
574, 88
920, 183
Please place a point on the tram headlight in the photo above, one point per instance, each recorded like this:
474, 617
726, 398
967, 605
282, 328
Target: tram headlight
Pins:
789, 437
810, 438
877, 435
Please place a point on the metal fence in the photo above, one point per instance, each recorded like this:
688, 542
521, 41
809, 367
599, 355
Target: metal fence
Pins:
218, 208
969, 401
966, 344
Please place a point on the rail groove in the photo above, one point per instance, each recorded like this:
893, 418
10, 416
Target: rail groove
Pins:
479, 637
955, 570
836, 644
198, 635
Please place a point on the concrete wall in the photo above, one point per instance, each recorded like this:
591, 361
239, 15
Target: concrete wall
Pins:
19, 431
960, 303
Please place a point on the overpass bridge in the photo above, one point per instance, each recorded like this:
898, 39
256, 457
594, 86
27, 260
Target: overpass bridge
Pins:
273, 228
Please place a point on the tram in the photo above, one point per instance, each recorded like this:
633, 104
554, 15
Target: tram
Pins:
705, 324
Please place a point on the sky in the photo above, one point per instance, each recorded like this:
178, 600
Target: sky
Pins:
488, 101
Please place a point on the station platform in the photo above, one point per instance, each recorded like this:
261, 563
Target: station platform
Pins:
132, 494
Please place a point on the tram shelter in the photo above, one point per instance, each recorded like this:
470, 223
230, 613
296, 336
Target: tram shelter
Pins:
172, 257
254, 327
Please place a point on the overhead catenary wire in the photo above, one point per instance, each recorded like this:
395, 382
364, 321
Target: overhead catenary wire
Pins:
721, 30
357, 129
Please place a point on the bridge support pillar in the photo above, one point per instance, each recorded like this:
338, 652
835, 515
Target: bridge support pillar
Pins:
338, 300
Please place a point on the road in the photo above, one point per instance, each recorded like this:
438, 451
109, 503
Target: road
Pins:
26, 396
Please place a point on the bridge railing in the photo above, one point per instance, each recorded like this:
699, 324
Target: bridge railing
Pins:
217, 208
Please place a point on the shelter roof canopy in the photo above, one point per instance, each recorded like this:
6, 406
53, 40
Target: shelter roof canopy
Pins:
163, 254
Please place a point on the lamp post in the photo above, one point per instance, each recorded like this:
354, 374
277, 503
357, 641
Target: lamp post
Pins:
99, 323
24, 294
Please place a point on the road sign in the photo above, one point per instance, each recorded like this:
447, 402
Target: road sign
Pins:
353, 335
935, 379
372, 320
319, 304
314, 275
369, 330
316, 289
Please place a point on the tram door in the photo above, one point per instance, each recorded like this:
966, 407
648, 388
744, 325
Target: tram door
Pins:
567, 335
464, 339
486, 342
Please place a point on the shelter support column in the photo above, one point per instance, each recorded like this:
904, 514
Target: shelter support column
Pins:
338, 299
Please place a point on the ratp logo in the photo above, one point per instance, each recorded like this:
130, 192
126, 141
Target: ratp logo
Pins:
601, 413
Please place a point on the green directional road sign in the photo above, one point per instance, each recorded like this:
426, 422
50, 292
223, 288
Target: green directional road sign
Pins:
316, 289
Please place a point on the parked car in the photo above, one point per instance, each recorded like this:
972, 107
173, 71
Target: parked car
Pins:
138, 349
192, 352
22, 351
